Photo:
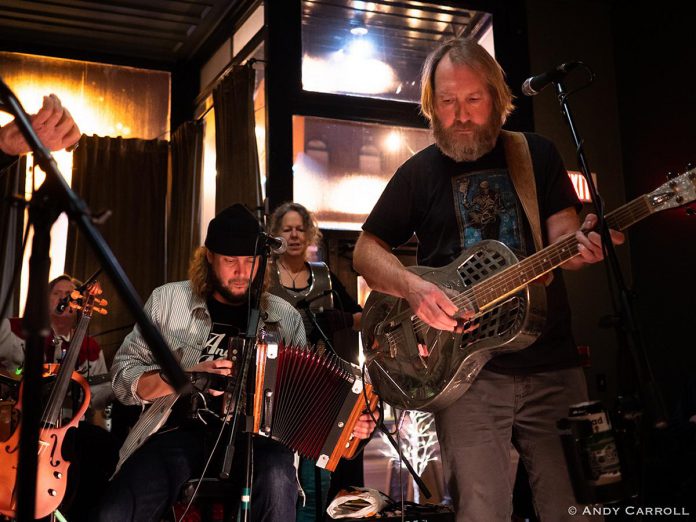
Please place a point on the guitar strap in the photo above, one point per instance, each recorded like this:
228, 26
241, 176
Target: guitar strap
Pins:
519, 163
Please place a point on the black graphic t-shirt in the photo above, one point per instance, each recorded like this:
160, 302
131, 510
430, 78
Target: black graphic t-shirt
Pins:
451, 206
486, 207
227, 331
229, 325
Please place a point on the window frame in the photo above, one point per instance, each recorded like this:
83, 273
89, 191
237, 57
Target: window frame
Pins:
286, 98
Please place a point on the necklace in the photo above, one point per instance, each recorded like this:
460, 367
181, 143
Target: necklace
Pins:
292, 278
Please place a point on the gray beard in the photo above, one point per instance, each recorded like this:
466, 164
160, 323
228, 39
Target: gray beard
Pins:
466, 148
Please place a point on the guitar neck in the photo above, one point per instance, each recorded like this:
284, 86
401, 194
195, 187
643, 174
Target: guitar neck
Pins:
517, 276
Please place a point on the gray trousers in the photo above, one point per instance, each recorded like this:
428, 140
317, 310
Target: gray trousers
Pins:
476, 432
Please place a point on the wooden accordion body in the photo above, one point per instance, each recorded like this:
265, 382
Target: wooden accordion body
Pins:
308, 401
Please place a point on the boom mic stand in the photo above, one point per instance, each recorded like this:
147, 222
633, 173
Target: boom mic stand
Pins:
305, 304
626, 326
48, 202
246, 367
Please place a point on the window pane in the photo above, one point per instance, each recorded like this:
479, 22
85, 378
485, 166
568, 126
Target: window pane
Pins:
106, 100
340, 168
377, 49
260, 114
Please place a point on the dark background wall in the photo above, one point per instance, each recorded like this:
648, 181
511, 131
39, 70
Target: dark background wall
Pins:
560, 32
657, 107
637, 123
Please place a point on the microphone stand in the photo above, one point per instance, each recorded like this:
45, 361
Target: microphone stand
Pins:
313, 318
247, 366
627, 329
47, 203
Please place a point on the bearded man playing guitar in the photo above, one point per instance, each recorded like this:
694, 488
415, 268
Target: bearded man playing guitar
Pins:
517, 397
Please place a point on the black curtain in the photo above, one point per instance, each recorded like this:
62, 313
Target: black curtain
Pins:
184, 208
12, 180
129, 178
235, 141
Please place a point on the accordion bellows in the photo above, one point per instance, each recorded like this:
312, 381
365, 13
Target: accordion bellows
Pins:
309, 401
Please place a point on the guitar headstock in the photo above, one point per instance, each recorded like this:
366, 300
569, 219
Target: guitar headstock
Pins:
678, 191
88, 301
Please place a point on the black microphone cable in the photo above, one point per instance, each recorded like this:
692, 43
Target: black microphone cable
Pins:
224, 423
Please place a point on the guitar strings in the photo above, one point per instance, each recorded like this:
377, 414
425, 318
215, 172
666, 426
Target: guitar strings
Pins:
556, 253
502, 279
51, 412
508, 281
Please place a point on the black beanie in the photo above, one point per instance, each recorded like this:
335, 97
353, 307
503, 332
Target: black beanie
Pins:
234, 232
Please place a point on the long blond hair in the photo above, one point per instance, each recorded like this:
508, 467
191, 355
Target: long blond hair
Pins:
465, 51
199, 273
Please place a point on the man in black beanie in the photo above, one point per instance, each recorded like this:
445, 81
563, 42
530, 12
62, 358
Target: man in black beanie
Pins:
200, 319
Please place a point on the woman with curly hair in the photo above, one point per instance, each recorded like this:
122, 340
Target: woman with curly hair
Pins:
302, 283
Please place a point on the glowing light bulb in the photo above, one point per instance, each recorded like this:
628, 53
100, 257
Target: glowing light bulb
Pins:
360, 48
393, 141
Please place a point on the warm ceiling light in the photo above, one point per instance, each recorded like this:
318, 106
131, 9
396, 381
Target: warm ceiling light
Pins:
393, 141
359, 31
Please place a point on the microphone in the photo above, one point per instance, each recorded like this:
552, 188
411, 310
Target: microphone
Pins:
62, 304
305, 302
535, 84
278, 245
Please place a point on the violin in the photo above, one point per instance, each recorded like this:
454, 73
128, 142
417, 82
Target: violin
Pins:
52, 474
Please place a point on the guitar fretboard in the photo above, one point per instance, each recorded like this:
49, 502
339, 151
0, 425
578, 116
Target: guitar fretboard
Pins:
520, 274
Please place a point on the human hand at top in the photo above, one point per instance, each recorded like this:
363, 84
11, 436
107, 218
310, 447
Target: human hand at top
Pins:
53, 124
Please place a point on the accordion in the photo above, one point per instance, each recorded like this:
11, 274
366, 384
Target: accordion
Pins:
308, 401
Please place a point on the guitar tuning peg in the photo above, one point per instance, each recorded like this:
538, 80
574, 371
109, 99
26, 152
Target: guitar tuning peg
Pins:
75, 294
101, 302
101, 311
74, 305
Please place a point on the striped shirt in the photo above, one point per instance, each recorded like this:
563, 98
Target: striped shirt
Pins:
184, 321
